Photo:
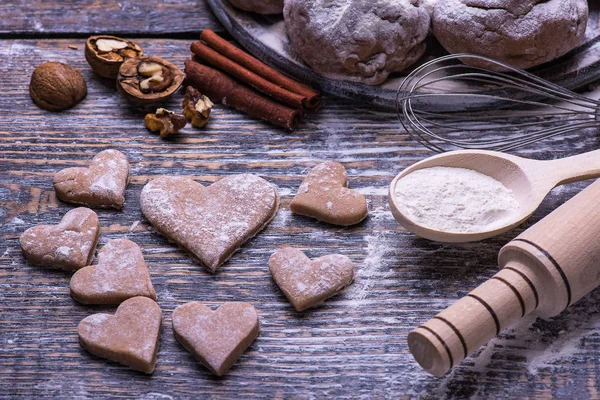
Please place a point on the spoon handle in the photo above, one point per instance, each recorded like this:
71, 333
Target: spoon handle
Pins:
572, 169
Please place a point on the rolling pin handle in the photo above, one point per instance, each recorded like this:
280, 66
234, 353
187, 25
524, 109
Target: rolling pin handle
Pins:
452, 335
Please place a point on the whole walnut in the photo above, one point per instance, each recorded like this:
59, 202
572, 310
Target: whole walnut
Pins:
56, 86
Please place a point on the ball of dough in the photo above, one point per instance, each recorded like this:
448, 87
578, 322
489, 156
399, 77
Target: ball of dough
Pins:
357, 40
259, 6
522, 33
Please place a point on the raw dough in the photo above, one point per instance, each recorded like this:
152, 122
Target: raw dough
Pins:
211, 222
121, 273
259, 6
323, 195
216, 338
357, 40
306, 282
130, 337
522, 33
100, 185
69, 245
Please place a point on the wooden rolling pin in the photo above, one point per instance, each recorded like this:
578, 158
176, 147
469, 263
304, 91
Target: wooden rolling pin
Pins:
544, 270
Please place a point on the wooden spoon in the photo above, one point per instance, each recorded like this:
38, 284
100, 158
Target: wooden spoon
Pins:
530, 181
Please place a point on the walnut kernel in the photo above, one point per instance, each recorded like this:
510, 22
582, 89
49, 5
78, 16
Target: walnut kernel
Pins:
196, 107
165, 122
56, 86
147, 80
105, 54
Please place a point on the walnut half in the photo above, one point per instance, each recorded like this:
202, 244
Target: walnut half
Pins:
105, 54
165, 122
147, 80
196, 107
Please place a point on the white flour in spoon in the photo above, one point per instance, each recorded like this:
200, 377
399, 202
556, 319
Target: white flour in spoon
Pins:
457, 200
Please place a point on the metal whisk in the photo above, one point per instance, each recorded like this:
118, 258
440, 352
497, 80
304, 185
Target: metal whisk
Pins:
445, 104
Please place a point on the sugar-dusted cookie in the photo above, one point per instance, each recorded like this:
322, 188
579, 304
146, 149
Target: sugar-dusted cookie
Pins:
121, 273
130, 336
307, 282
211, 222
323, 195
69, 245
216, 338
102, 184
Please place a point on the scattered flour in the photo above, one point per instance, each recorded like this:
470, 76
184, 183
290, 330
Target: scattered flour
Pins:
454, 199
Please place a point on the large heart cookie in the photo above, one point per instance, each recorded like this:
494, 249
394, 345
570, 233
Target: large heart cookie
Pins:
323, 195
69, 245
121, 273
211, 222
218, 339
100, 185
130, 337
307, 282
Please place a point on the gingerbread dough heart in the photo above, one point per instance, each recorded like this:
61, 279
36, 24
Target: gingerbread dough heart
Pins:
130, 337
216, 338
100, 185
211, 222
306, 282
69, 245
121, 273
323, 195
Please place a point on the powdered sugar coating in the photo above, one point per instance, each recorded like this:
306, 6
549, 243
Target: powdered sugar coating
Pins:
306, 282
358, 40
102, 184
69, 245
130, 337
211, 222
120, 273
218, 339
522, 33
323, 195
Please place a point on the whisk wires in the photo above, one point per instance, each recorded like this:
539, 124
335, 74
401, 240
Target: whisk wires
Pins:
445, 104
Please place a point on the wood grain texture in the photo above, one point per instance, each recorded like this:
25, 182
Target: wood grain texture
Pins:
75, 18
352, 347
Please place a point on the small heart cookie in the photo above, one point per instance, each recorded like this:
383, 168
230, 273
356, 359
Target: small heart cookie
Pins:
210, 222
69, 245
100, 185
218, 339
306, 282
323, 195
130, 337
121, 273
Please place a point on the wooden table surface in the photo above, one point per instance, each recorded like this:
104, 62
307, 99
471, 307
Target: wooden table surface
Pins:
352, 347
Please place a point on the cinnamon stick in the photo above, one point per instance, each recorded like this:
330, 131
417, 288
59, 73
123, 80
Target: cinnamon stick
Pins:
221, 88
219, 61
312, 98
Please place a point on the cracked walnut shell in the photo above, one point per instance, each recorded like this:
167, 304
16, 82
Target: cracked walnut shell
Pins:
56, 86
105, 54
196, 107
165, 122
147, 80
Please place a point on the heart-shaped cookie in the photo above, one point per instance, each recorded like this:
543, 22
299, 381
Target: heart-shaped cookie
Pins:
211, 222
102, 184
323, 195
121, 273
218, 339
306, 282
69, 245
130, 337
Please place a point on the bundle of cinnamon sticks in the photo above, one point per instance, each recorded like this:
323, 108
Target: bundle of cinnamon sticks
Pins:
228, 75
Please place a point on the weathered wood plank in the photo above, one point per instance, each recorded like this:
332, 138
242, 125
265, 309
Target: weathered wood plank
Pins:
150, 18
353, 346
